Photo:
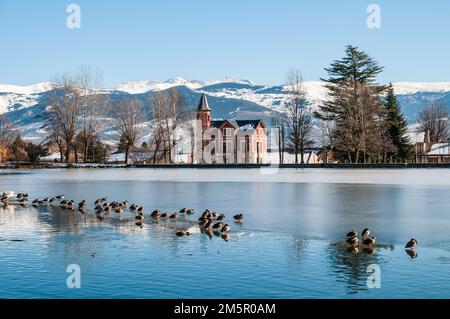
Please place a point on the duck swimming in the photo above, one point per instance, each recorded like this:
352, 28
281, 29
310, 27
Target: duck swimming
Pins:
352, 233
238, 217
225, 228
411, 244
217, 226
365, 233
207, 224
352, 241
369, 241
155, 214
164, 215
182, 233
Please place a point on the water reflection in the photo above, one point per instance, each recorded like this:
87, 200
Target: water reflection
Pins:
349, 264
291, 232
411, 253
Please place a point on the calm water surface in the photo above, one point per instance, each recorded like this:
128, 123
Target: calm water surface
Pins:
289, 246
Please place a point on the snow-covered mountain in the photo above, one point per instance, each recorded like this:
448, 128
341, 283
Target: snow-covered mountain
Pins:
229, 98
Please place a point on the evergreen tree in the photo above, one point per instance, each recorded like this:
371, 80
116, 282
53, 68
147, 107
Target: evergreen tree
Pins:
398, 126
352, 103
354, 69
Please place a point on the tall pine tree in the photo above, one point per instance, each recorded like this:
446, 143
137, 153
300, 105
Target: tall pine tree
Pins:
349, 80
397, 126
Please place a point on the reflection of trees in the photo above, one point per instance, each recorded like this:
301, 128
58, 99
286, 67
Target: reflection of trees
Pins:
297, 247
349, 266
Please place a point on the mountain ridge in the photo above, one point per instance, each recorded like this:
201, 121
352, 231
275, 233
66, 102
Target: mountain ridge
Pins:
229, 98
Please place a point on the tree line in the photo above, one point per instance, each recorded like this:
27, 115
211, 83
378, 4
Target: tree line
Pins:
360, 121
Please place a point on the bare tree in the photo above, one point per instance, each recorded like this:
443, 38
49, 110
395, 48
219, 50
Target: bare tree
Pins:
64, 103
298, 116
54, 134
7, 136
94, 107
159, 103
128, 118
435, 119
189, 124
168, 112
327, 133
360, 123
76, 112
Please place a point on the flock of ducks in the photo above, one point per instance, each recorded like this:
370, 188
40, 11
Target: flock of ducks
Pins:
369, 242
211, 223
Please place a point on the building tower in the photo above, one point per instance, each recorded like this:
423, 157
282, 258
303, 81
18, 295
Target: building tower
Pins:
204, 112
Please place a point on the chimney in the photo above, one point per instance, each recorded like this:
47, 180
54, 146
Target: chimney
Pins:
426, 142
426, 138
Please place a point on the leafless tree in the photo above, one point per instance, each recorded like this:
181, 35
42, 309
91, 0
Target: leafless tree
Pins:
361, 123
76, 112
64, 102
327, 133
94, 107
54, 135
435, 119
159, 103
128, 118
298, 115
7, 135
168, 112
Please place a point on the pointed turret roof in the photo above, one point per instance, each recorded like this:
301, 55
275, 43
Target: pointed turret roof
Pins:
203, 104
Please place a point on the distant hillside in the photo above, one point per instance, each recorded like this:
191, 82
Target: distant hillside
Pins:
229, 98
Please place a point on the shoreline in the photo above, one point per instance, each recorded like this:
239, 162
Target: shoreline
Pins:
33, 166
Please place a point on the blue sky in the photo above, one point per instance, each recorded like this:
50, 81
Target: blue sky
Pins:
257, 40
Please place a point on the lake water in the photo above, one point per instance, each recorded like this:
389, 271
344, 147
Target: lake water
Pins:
290, 244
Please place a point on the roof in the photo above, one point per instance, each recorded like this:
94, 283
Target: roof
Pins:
238, 124
440, 149
203, 104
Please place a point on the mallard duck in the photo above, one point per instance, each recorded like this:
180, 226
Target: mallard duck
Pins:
365, 233
369, 241
217, 226
155, 214
411, 244
352, 233
238, 217
225, 228
164, 215
207, 224
352, 241
182, 233
225, 236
